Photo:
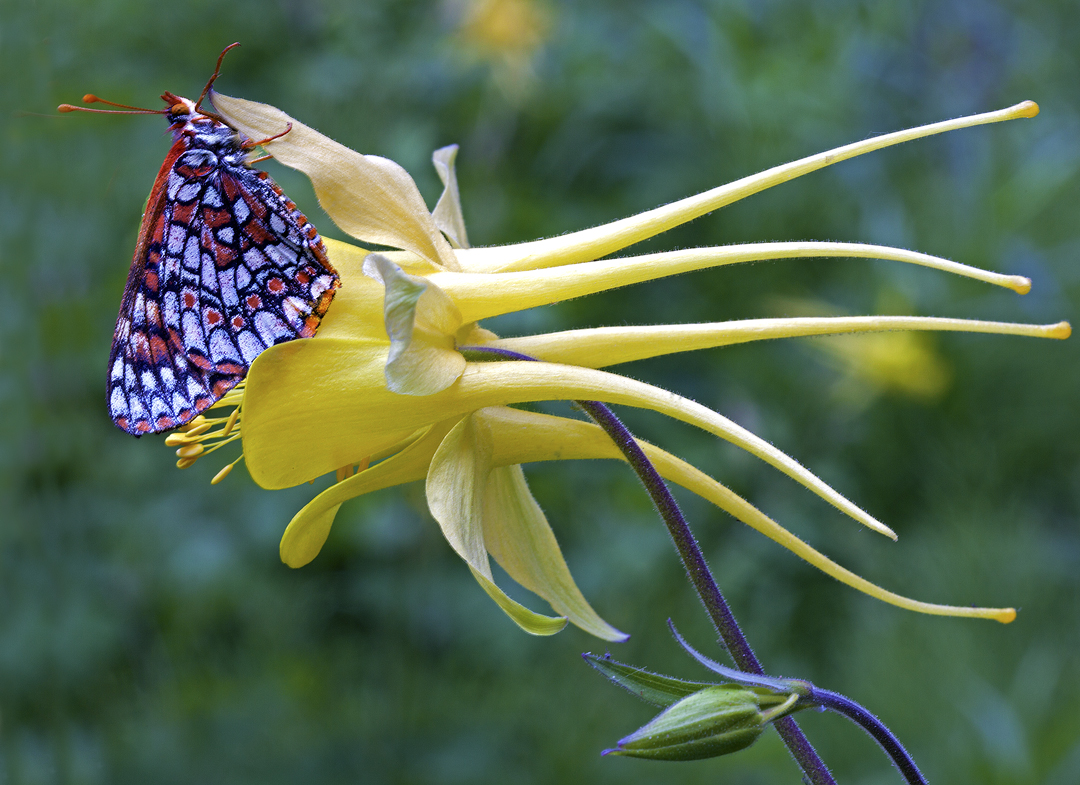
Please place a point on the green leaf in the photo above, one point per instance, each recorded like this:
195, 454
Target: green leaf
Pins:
650, 687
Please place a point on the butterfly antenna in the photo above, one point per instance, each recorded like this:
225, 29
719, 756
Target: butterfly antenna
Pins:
90, 98
217, 70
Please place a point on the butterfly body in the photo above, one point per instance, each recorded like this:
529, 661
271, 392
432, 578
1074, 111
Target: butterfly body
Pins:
225, 267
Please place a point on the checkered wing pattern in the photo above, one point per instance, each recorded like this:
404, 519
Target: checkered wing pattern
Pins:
225, 267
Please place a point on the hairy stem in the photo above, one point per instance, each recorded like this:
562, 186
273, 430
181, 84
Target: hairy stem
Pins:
817, 773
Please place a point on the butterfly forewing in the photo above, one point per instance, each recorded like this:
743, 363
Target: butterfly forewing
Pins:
225, 267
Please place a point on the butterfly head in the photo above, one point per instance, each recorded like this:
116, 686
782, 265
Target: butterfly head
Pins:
179, 109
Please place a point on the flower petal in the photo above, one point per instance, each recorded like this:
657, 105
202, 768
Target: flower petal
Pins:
307, 531
518, 535
421, 322
456, 486
333, 387
600, 241
358, 302
447, 213
370, 198
523, 437
603, 346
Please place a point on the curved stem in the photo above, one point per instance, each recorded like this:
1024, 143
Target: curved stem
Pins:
809, 695
815, 770
876, 728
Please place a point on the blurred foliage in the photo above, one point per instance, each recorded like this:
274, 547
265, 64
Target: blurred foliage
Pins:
148, 632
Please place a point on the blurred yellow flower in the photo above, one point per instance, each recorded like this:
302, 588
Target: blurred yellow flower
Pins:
506, 34
905, 363
389, 391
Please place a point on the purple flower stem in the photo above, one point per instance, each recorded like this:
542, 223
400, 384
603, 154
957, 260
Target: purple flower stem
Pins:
900, 757
815, 770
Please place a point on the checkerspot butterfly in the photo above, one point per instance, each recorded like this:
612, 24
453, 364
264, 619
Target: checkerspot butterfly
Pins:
225, 266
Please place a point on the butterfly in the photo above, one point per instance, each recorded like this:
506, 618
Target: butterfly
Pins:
225, 267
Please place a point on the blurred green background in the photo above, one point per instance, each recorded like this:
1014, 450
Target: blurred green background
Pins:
148, 632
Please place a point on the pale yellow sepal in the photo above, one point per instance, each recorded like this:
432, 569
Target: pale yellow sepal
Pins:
517, 534
532, 622
456, 488
371, 198
421, 322
447, 213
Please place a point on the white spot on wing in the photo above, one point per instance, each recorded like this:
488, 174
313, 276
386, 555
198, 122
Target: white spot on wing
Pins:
222, 349
271, 328
192, 330
192, 252
250, 346
227, 287
118, 404
188, 191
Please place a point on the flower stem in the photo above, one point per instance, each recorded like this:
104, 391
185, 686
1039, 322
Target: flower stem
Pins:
815, 770
873, 726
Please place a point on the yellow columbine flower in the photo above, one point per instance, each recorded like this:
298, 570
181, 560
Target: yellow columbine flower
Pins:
385, 395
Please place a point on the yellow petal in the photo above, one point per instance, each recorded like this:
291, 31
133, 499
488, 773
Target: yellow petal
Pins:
421, 322
604, 346
600, 241
370, 198
307, 532
518, 535
456, 486
330, 396
482, 295
358, 305
283, 389
523, 437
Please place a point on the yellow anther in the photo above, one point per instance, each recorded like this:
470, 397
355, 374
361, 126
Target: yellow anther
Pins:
230, 423
221, 475
345, 472
184, 463
195, 423
175, 439
190, 452
202, 427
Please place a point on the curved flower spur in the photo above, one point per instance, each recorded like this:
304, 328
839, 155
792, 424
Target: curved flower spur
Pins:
391, 372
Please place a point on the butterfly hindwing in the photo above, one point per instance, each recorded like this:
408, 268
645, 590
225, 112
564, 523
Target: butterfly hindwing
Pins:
225, 267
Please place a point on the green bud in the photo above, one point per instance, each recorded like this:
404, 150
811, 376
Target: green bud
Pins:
714, 721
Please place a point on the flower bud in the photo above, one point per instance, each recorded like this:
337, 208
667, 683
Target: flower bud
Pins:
713, 721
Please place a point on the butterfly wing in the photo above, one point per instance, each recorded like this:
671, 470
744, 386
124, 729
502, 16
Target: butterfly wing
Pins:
225, 267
